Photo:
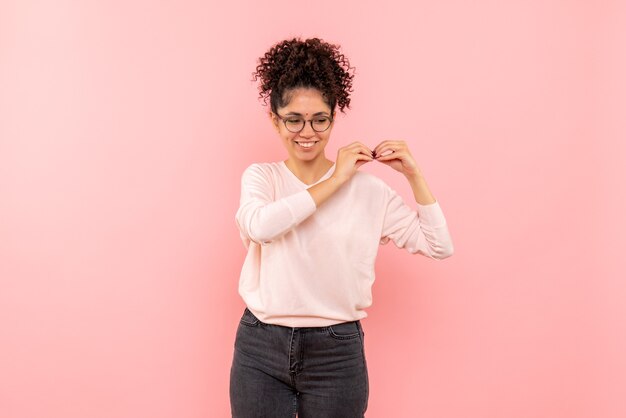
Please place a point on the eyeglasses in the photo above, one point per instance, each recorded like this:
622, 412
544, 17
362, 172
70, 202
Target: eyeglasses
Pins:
296, 124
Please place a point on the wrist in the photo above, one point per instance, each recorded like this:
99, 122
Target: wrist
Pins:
414, 177
338, 179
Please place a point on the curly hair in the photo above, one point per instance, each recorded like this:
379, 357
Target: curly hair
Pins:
312, 63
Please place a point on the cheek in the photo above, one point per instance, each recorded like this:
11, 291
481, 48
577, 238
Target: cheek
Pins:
286, 135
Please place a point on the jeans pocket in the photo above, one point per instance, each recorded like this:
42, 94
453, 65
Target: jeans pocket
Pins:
344, 331
249, 319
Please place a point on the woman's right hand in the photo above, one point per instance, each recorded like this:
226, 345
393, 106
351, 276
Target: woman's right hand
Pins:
349, 159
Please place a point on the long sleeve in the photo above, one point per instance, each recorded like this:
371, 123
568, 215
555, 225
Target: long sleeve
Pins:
320, 265
421, 231
262, 219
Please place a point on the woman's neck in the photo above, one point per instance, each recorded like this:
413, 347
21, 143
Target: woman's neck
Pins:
309, 171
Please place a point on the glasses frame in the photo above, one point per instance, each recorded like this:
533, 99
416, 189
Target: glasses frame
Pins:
304, 125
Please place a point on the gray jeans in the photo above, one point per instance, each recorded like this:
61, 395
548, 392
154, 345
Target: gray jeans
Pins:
318, 372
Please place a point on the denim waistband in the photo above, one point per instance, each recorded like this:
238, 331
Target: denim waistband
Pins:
251, 318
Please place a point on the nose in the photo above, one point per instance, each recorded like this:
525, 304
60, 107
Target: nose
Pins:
307, 132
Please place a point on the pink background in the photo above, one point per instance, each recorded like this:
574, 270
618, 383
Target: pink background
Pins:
124, 129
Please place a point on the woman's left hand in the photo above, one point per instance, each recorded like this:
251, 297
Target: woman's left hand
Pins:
400, 158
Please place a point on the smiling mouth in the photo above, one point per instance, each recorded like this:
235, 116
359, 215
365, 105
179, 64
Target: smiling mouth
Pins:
307, 144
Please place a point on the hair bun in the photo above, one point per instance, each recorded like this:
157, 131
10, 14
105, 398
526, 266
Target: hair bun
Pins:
311, 63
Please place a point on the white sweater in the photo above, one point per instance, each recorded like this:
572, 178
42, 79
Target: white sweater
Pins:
310, 267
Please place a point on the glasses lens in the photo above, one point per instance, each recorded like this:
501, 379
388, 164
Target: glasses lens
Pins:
321, 124
294, 124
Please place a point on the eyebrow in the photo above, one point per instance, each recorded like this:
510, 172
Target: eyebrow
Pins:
314, 114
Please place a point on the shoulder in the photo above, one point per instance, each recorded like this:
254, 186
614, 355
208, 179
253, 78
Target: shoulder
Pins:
266, 168
262, 166
266, 172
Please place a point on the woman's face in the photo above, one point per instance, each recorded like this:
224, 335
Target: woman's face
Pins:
307, 104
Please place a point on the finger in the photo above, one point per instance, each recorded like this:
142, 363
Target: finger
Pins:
382, 144
352, 145
390, 156
383, 152
359, 156
362, 159
353, 148
360, 144
387, 144
381, 148
360, 163
362, 149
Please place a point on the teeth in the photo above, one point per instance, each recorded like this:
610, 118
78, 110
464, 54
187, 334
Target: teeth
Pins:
306, 144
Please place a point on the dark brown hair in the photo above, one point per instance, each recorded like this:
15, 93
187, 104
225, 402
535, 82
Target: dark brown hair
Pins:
312, 63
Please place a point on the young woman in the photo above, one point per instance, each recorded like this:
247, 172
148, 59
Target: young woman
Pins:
312, 228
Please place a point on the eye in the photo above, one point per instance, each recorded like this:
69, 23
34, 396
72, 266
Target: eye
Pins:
294, 121
321, 120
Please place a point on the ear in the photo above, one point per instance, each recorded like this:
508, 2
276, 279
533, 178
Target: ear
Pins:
274, 120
